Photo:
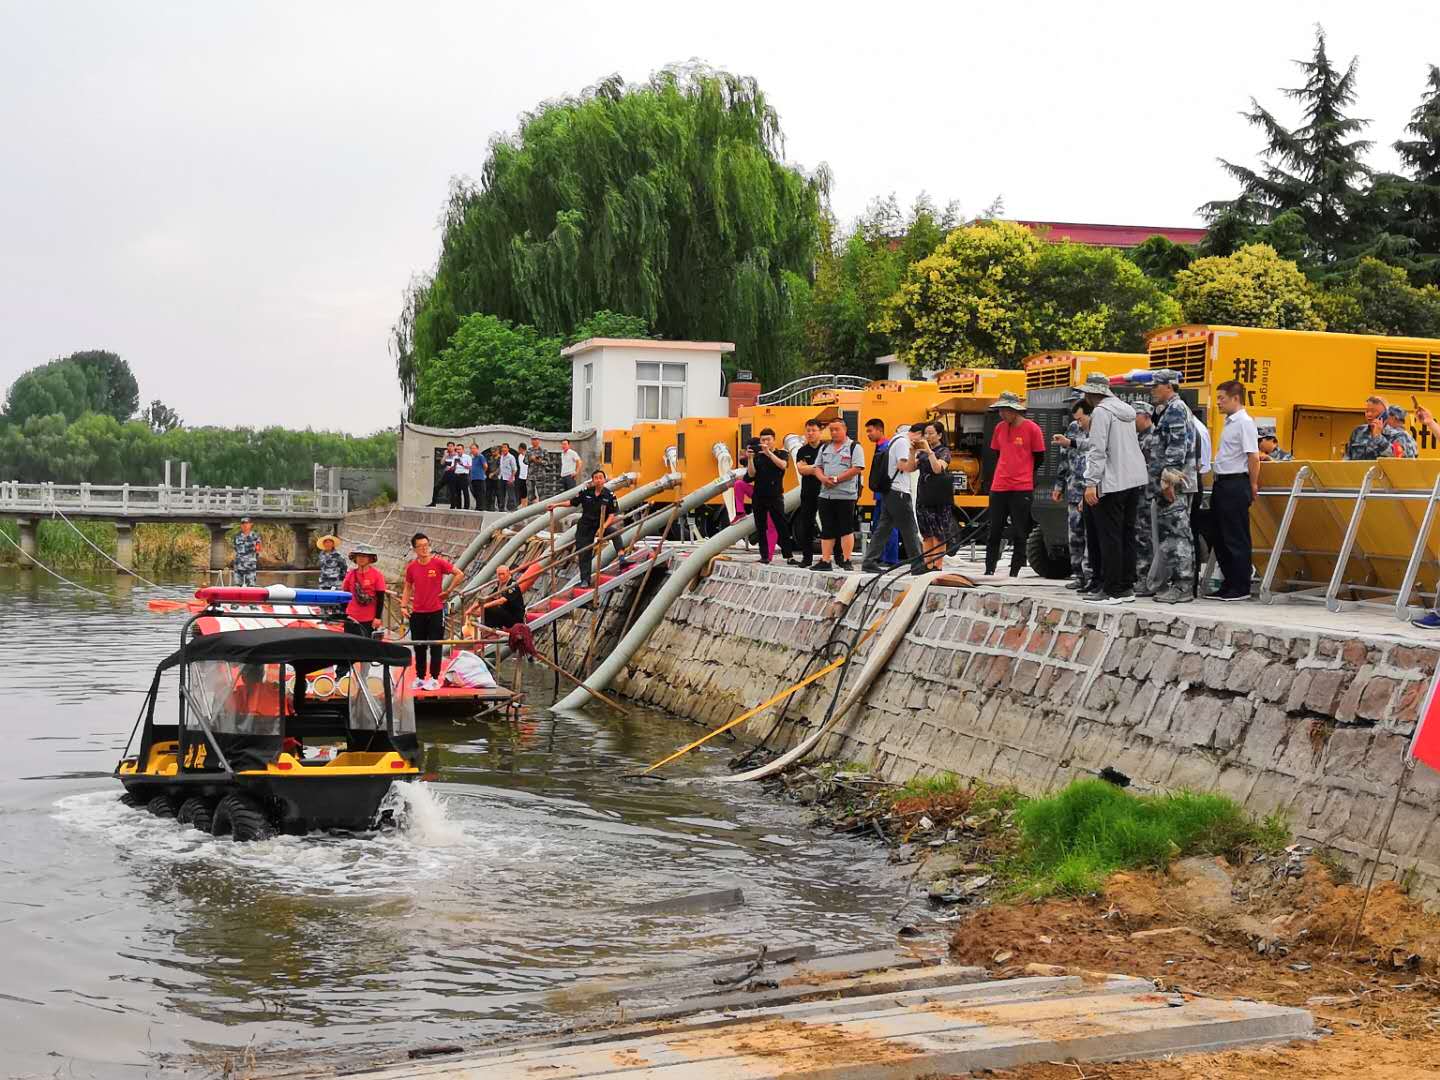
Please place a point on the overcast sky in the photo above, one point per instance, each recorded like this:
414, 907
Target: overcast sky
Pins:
234, 197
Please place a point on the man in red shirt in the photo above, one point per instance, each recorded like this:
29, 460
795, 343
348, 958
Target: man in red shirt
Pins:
366, 586
1021, 446
423, 602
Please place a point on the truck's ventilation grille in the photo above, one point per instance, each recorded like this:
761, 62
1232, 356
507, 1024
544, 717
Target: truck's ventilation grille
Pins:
1186, 357
1413, 371
1040, 377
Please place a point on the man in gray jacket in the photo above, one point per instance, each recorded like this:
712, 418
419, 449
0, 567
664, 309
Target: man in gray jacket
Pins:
1115, 476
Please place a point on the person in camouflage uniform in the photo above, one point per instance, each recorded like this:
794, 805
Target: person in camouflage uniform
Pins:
1174, 455
1070, 486
332, 564
1400, 438
1270, 448
1371, 440
1144, 517
247, 554
1175, 540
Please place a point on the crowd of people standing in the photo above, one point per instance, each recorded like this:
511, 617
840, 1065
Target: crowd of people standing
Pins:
1132, 478
499, 478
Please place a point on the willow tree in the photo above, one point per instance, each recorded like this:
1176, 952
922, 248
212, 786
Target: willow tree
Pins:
669, 201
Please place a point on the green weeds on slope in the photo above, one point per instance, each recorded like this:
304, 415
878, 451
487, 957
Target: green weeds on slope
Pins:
1071, 841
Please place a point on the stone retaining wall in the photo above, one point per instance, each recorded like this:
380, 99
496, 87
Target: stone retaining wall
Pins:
1014, 690
388, 530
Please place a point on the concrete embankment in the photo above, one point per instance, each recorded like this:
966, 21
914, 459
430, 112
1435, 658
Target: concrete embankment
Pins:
388, 530
1304, 714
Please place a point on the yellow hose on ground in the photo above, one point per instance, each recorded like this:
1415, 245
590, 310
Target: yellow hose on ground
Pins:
907, 606
758, 709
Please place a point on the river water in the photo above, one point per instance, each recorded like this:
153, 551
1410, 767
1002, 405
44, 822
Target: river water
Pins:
134, 947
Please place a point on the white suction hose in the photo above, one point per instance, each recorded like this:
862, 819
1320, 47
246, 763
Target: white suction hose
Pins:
678, 581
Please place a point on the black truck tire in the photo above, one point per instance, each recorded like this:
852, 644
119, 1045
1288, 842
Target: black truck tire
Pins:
241, 819
161, 806
1042, 560
195, 811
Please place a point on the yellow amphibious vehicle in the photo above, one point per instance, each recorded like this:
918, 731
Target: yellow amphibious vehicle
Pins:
255, 748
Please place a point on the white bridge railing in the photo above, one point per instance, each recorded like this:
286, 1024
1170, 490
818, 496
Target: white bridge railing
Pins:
120, 500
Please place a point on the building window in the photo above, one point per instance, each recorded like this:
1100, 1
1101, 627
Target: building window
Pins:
659, 391
589, 389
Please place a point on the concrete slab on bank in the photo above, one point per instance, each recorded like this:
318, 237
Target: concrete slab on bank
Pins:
898, 1034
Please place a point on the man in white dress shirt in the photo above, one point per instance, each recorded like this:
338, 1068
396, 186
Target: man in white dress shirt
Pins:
1236, 471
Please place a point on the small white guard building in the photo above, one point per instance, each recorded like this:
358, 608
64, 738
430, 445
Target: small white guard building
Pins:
618, 382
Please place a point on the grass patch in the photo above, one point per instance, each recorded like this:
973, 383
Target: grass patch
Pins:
1072, 841
928, 787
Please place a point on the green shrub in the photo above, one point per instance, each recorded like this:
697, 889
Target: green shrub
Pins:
1071, 841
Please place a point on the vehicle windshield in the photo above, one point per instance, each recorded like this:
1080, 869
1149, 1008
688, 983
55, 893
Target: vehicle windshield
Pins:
237, 699
367, 700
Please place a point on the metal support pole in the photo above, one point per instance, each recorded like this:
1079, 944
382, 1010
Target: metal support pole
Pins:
1412, 568
1332, 601
1276, 549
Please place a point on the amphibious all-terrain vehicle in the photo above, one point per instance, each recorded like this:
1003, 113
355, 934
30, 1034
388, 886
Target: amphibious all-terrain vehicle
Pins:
261, 743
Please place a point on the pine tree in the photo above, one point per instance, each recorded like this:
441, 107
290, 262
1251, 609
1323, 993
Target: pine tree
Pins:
1316, 170
1420, 188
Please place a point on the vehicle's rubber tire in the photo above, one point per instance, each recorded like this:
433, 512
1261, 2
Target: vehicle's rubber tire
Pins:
161, 806
131, 800
195, 811
1040, 559
241, 819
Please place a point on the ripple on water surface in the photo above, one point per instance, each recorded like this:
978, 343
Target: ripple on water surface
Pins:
497, 904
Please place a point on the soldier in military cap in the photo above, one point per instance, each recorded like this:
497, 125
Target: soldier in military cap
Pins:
1145, 515
247, 554
1401, 441
1270, 448
1175, 453
1175, 541
1070, 486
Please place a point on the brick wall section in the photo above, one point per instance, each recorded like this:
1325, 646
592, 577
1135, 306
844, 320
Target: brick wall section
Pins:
1035, 693
449, 531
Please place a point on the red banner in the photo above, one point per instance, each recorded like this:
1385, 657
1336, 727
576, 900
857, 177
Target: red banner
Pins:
1425, 746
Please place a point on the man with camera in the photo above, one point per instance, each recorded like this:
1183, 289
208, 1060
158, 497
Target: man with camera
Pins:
766, 471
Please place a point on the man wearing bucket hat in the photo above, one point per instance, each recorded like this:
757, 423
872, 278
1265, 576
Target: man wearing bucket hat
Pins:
1021, 447
1115, 475
366, 586
332, 563
247, 554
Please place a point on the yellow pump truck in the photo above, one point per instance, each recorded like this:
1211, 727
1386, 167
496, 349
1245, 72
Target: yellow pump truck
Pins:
1308, 387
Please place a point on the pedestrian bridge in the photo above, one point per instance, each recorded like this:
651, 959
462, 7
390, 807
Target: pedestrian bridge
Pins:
130, 504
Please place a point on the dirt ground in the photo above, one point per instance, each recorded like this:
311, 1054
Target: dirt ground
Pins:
1276, 930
